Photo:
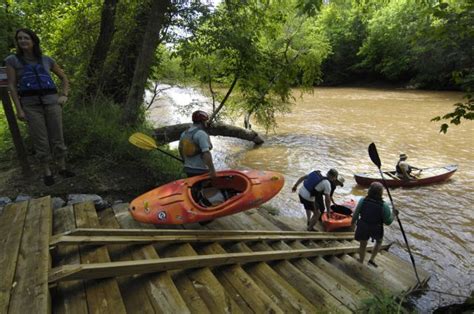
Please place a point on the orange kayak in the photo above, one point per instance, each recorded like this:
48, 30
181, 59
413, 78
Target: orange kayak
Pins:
338, 220
194, 199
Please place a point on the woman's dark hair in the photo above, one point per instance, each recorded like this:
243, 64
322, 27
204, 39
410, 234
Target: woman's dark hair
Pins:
36, 42
375, 191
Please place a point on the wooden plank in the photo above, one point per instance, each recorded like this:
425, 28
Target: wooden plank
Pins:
102, 296
249, 291
260, 220
105, 269
11, 228
156, 292
408, 267
181, 281
303, 284
339, 277
277, 288
181, 232
274, 220
103, 240
328, 283
382, 272
69, 296
31, 293
216, 298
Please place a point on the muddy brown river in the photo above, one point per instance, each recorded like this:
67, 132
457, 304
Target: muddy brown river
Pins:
332, 128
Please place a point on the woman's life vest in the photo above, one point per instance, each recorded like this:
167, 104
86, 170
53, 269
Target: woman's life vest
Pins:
313, 179
371, 211
35, 80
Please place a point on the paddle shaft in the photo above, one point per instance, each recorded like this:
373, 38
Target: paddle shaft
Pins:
171, 155
401, 227
374, 156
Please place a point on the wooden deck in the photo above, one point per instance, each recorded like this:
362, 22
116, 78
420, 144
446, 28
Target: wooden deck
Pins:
77, 260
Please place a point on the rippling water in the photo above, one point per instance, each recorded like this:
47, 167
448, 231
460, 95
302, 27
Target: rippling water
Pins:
333, 127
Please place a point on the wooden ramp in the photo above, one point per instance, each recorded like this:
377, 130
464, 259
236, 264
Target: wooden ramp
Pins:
77, 260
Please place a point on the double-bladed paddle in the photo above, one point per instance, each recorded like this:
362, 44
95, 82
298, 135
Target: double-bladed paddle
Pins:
374, 156
144, 141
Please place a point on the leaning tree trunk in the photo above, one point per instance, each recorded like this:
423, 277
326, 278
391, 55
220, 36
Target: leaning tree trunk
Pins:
172, 133
151, 40
101, 49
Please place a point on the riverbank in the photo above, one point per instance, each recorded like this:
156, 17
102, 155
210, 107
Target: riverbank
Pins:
122, 181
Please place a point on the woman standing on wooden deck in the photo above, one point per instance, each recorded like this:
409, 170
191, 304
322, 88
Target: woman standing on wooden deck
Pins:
37, 101
370, 215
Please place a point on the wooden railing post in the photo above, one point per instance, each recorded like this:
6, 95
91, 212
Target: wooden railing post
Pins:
13, 125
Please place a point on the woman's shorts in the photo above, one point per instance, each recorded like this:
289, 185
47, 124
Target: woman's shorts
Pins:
364, 231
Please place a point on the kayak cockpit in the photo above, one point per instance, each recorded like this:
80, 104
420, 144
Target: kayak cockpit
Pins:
209, 196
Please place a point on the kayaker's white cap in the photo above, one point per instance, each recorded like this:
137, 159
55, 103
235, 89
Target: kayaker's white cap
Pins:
341, 180
403, 156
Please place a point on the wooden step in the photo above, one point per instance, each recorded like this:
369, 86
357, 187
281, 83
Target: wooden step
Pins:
30, 292
103, 295
12, 221
208, 230
69, 296
360, 291
277, 288
154, 293
337, 289
311, 290
104, 240
243, 284
183, 284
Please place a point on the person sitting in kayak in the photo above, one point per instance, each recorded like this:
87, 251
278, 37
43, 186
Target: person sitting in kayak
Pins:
195, 147
311, 193
403, 169
370, 215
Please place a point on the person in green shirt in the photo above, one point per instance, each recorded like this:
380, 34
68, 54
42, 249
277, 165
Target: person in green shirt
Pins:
370, 215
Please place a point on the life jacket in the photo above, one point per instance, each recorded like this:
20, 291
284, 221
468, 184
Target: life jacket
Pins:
371, 211
399, 169
189, 147
35, 80
313, 179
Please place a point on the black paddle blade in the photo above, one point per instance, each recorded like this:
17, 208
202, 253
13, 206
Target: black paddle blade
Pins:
374, 155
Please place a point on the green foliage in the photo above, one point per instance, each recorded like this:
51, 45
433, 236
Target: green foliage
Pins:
462, 111
10, 22
381, 304
386, 49
95, 133
266, 47
345, 27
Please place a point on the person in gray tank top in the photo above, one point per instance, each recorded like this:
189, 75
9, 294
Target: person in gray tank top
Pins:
37, 101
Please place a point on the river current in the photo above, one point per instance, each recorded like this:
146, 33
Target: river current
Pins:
332, 128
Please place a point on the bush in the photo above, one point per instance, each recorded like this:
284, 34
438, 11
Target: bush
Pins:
96, 133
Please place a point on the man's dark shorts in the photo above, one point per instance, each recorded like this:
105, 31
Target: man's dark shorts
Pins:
308, 205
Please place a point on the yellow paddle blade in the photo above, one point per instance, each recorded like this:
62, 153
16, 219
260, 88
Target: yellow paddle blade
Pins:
142, 141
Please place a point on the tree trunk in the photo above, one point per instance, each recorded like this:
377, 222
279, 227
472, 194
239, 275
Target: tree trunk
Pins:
145, 58
172, 133
117, 80
101, 49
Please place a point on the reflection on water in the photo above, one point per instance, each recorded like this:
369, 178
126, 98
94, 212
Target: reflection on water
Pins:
333, 127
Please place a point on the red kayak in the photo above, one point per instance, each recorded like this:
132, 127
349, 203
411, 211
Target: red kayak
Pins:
425, 177
195, 199
339, 217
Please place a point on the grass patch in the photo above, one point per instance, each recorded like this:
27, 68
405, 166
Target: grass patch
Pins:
382, 304
96, 133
